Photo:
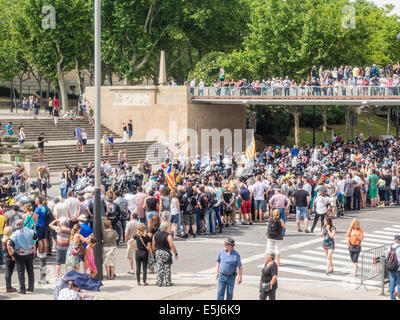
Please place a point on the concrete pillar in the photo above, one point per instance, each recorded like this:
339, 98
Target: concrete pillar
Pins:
162, 77
369, 121
324, 124
347, 119
388, 119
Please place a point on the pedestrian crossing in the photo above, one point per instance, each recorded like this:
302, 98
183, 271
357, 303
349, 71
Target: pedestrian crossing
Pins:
310, 263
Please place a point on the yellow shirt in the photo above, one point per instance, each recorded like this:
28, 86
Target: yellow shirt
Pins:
2, 221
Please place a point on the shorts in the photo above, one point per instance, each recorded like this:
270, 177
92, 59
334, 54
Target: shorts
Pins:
40, 150
259, 205
273, 246
189, 219
110, 146
228, 211
175, 218
61, 256
36, 111
333, 201
78, 140
130, 133
41, 232
84, 141
150, 214
301, 213
246, 206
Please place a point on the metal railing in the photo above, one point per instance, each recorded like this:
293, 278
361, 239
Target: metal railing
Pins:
373, 265
304, 91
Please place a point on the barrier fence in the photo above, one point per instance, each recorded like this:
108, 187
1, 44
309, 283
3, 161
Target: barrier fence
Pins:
373, 265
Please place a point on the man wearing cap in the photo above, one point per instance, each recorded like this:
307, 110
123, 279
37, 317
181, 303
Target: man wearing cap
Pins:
21, 246
394, 276
227, 262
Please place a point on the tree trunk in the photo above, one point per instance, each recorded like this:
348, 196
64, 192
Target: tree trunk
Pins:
103, 73
348, 108
296, 116
388, 120
324, 124
79, 78
370, 122
48, 87
190, 58
63, 89
110, 75
20, 90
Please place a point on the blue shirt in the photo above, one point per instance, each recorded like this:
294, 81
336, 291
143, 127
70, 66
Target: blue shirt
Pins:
85, 232
41, 211
8, 129
23, 241
229, 263
294, 152
78, 132
245, 194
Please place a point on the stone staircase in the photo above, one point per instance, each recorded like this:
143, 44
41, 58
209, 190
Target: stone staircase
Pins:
64, 131
61, 149
57, 157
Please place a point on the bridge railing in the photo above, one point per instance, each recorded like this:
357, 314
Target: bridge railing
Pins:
305, 91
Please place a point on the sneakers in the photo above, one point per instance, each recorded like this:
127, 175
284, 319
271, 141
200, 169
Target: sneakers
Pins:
307, 231
11, 290
299, 230
185, 236
194, 235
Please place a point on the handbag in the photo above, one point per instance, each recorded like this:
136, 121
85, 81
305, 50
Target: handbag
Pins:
79, 249
265, 286
354, 248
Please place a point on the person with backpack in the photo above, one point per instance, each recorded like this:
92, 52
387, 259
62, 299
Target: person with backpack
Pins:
113, 213
355, 235
205, 204
275, 235
189, 211
41, 226
393, 267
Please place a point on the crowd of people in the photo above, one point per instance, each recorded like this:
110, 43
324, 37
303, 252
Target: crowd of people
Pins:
210, 194
338, 81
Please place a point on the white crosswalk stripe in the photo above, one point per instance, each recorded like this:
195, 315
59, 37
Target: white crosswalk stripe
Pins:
311, 263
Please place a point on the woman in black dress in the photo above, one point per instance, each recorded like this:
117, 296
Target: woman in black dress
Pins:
269, 277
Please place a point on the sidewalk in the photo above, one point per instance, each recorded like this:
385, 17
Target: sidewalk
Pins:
193, 288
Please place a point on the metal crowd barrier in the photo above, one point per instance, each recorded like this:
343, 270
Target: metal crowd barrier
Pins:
373, 265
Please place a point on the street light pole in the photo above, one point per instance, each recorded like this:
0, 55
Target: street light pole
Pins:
98, 231
313, 129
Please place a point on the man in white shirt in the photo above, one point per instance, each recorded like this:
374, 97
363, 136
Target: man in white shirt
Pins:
74, 206
258, 191
130, 198
201, 87
60, 209
192, 86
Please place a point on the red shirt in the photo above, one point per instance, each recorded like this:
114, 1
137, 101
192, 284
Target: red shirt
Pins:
56, 102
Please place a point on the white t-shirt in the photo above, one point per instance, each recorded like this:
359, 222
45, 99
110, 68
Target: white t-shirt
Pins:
259, 188
340, 186
130, 198
174, 206
307, 187
61, 210
320, 204
73, 205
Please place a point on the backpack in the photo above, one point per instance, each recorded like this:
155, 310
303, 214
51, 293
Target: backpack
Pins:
274, 229
113, 212
215, 203
49, 217
391, 262
190, 207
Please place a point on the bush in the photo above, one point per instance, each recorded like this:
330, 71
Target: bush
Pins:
334, 115
28, 146
9, 138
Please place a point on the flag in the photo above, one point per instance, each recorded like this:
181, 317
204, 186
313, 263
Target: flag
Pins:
170, 177
251, 150
178, 178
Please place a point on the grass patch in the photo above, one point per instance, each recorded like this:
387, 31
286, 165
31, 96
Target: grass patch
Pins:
378, 128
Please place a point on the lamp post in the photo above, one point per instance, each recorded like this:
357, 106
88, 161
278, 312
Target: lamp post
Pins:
98, 232
313, 129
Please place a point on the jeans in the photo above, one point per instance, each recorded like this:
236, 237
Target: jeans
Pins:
225, 284
123, 223
387, 195
63, 193
347, 203
1, 250
356, 198
141, 258
9, 271
397, 195
25, 262
198, 214
316, 217
394, 281
283, 217
218, 216
209, 220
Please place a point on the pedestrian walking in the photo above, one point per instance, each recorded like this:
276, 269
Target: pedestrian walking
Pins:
269, 278
354, 236
84, 140
56, 116
62, 242
41, 140
301, 200
162, 246
130, 129
143, 250
125, 131
110, 237
328, 233
9, 259
21, 246
275, 234
130, 231
393, 267
229, 266
320, 206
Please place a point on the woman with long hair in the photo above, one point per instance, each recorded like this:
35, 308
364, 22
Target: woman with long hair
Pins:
275, 234
328, 233
143, 249
354, 236
9, 259
154, 225
110, 237
75, 249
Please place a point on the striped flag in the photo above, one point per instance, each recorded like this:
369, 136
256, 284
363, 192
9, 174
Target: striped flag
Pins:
178, 178
251, 150
170, 177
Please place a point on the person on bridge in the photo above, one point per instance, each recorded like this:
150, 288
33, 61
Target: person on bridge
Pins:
228, 262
